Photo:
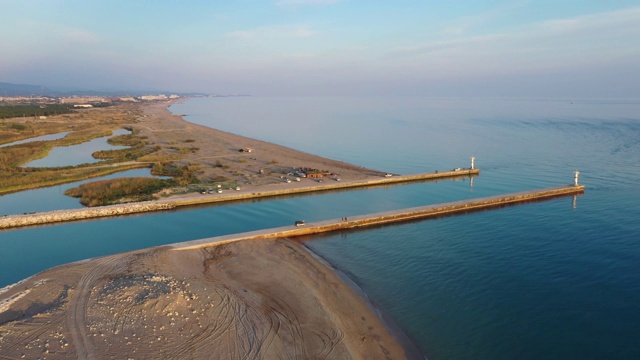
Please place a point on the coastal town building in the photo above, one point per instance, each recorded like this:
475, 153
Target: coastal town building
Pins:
153, 97
26, 99
81, 100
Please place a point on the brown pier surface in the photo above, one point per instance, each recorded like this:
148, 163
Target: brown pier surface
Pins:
421, 212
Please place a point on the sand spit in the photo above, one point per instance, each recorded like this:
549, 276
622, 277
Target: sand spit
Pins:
244, 300
220, 157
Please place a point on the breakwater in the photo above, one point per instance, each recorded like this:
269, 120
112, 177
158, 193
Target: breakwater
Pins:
41, 218
334, 185
49, 217
388, 217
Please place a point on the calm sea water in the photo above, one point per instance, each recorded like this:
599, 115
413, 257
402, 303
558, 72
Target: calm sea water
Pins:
556, 279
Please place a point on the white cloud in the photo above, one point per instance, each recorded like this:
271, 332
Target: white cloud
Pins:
466, 24
76, 35
606, 24
273, 32
293, 3
570, 43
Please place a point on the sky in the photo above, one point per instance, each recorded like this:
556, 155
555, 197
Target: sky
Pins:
521, 48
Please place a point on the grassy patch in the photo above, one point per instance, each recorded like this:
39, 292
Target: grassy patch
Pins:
14, 181
128, 154
83, 126
115, 191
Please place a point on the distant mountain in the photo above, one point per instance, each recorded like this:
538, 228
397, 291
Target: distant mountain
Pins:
8, 89
117, 93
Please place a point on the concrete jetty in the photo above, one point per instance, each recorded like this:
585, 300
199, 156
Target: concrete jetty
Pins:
387, 217
330, 185
49, 217
41, 218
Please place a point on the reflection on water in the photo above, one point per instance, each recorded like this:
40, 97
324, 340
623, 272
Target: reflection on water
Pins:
77, 154
53, 197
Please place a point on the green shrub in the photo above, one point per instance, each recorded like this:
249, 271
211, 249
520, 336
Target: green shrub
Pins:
120, 190
19, 127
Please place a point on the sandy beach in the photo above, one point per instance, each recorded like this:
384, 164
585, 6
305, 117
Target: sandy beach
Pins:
244, 300
221, 160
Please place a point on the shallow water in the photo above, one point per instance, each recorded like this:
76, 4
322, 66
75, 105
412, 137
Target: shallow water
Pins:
38, 138
554, 279
53, 197
77, 154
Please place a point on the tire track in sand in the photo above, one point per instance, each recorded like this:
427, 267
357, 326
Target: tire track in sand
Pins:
77, 314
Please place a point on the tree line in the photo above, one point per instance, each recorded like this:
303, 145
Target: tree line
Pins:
24, 110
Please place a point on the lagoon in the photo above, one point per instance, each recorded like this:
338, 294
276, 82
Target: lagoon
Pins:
53, 197
48, 137
77, 154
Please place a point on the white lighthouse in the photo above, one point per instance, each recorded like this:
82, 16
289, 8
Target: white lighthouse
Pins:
575, 178
473, 160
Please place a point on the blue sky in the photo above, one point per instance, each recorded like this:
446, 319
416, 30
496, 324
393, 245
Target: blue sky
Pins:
569, 48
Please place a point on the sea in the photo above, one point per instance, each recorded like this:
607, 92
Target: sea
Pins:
555, 279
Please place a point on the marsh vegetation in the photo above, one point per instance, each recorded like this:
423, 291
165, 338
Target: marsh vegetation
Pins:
83, 126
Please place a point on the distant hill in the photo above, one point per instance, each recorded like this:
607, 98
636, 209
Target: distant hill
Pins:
9, 89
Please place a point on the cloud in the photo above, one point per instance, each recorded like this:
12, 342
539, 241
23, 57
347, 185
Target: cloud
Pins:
569, 43
294, 3
76, 35
607, 23
42, 40
466, 24
273, 32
